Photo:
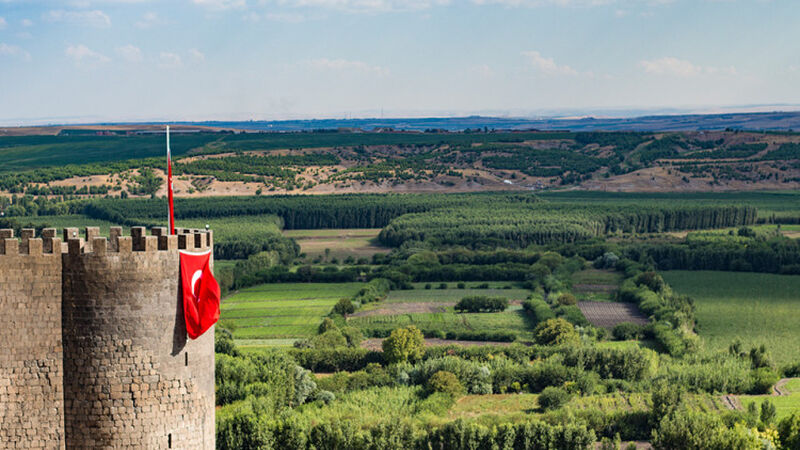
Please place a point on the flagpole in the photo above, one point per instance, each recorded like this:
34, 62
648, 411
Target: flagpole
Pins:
171, 209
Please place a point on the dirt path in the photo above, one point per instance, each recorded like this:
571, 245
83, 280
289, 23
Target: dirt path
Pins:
780, 387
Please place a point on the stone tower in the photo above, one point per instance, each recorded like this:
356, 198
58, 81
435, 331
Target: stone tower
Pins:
129, 376
31, 357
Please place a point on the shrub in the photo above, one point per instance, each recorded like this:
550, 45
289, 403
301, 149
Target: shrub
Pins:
344, 306
556, 332
762, 380
626, 331
792, 370
608, 261
304, 385
335, 359
326, 325
461, 285
404, 344
553, 398
539, 309
481, 303
768, 412
475, 377
353, 336
427, 286
325, 396
651, 280
443, 381
789, 431
759, 357
223, 342
697, 430
442, 285
567, 299
330, 339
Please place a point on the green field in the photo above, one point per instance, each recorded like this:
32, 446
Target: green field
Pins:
513, 319
784, 404
280, 311
756, 308
453, 294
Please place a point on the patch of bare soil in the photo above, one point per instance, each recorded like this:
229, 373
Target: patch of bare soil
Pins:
375, 343
405, 308
610, 314
659, 179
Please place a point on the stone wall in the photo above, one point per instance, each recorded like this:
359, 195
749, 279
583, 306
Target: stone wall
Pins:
31, 371
132, 379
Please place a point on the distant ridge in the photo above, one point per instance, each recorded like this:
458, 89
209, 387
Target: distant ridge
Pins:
773, 121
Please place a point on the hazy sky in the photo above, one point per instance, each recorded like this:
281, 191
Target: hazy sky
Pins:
241, 59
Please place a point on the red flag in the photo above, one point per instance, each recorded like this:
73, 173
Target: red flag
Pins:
201, 293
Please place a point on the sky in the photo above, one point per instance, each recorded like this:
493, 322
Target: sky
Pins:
140, 60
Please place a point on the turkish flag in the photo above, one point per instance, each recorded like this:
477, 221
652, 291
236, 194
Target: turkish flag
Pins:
201, 293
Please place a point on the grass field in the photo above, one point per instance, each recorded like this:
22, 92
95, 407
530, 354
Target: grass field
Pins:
280, 311
757, 308
355, 242
784, 404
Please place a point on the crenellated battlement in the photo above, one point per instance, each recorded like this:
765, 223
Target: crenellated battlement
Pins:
75, 242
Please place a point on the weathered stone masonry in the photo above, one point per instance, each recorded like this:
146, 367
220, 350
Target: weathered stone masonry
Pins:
126, 376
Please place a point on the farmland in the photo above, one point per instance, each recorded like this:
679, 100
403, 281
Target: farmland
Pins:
282, 311
578, 312
756, 308
338, 244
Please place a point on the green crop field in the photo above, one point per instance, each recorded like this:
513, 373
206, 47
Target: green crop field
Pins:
452, 294
230, 227
513, 319
756, 308
289, 310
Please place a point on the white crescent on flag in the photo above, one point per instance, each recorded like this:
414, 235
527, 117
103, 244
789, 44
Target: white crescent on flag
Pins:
195, 277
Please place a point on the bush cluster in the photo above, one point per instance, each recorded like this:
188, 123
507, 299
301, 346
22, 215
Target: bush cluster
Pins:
481, 303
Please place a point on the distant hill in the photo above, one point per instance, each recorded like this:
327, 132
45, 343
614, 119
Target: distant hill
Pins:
693, 122
122, 162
